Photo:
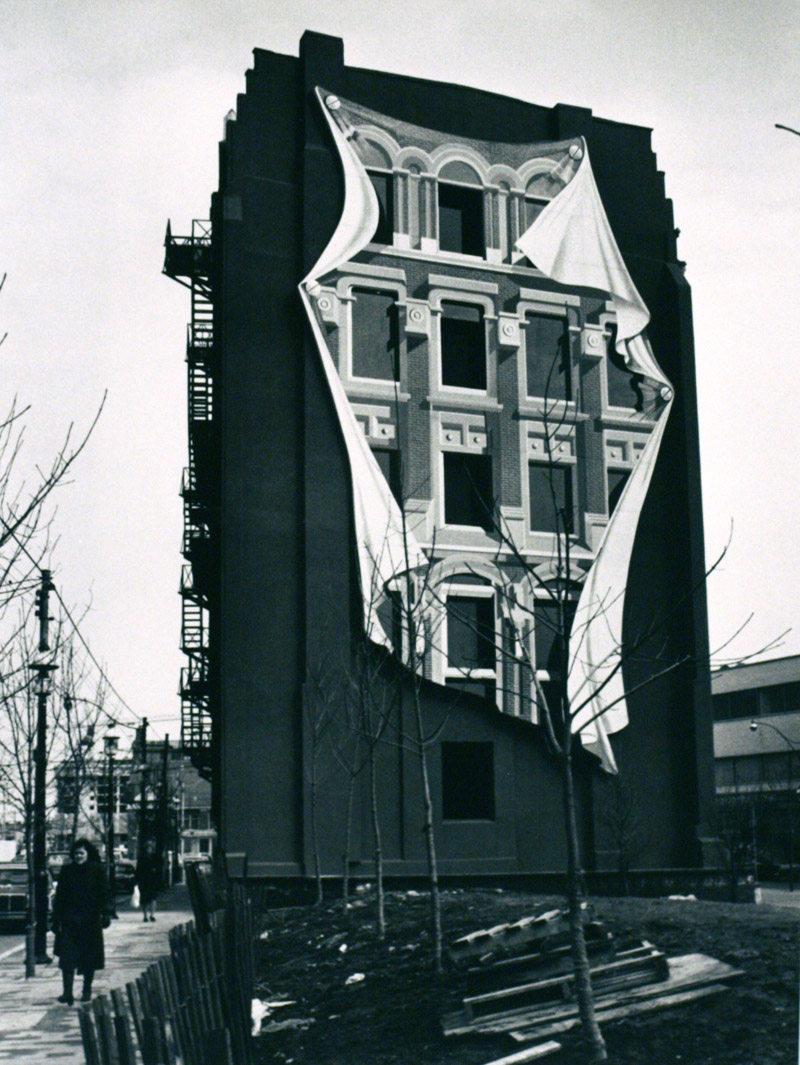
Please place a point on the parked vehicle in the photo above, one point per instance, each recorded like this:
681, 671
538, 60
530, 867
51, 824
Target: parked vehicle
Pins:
13, 891
124, 876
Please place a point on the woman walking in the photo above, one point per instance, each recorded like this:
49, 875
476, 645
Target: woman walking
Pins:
148, 879
82, 908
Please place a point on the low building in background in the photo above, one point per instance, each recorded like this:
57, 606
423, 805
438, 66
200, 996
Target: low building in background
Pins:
756, 711
170, 803
82, 803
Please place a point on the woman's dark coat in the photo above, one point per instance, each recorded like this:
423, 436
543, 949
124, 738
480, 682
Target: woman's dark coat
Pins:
82, 908
148, 877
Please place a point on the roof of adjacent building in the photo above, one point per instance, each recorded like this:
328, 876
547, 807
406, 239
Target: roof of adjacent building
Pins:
755, 675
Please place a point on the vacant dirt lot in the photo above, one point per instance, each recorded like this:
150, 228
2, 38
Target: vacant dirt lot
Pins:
390, 1013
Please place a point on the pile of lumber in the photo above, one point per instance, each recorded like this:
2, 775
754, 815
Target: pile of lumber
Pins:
520, 977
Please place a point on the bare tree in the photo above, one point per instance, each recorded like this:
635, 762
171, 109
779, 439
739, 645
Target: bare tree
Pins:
322, 694
371, 700
623, 818
80, 721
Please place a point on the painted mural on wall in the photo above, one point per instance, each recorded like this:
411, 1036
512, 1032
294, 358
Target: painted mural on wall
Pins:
408, 207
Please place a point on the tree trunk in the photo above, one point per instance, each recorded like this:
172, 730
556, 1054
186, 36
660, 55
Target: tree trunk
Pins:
314, 832
430, 840
580, 958
376, 832
30, 924
347, 837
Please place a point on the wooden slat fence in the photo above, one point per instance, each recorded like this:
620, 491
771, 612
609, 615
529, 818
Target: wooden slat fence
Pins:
192, 1008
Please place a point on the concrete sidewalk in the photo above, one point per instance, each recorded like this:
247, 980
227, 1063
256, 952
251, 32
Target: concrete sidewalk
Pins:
35, 1028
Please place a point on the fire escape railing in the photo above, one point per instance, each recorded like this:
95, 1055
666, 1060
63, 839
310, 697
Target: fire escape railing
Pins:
188, 261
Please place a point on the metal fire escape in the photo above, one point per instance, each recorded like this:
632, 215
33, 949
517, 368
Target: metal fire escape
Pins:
188, 261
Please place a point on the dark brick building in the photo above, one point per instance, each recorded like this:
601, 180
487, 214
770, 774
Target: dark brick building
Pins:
436, 327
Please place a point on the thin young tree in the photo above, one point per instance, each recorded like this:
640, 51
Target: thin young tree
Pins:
371, 704
322, 693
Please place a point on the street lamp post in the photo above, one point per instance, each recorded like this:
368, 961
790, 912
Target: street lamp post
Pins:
754, 727
111, 743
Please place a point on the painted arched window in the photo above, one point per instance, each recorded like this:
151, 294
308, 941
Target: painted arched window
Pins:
460, 200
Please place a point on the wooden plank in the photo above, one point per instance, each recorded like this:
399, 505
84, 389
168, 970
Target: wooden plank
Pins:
220, 1051
122, 1027
101, 1008
190, 1020
153, 1049
536, 1053
214, 977
619, 1013
641, 970
92, 1049
135, 1005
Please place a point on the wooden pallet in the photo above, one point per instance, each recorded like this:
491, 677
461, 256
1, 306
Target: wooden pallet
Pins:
645, 965
686, 973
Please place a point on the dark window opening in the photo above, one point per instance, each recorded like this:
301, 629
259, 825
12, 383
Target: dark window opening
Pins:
551, 494
551, 640
547, 357
375, 335
390, 618
548, 636
617, 479
791, 693
389, 461
384, 189
468, 781
463, 341
470, 632
468, 496
623, 386
732, 706
461, 219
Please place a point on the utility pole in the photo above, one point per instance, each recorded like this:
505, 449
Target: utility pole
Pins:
111, 742
164, 808
43, 671
143, 792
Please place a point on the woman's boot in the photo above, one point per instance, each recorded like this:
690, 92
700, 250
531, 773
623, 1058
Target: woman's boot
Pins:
67, 977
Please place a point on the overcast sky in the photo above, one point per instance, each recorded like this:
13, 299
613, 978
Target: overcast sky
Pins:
110, 118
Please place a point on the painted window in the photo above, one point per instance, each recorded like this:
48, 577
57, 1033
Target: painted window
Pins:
550, 494
389, 461
463, 346
549, 647
468, 495
375, 339
384, 189
468, 781
461, 219
623, 386
617, 479
547, 356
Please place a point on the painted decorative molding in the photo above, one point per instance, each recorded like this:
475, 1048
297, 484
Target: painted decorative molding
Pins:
463, 432
561, 450
418, 317
593, 343
375, 421
328, 305
508, 334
